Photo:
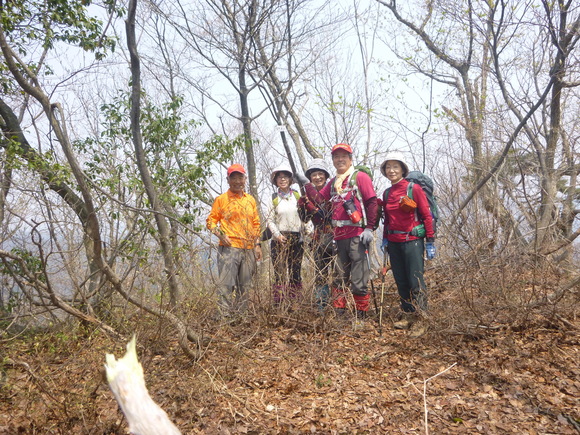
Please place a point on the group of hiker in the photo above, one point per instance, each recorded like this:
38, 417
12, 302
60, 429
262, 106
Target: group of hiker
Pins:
338, 215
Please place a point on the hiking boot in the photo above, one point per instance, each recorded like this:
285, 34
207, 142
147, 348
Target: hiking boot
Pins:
406, 321
418, 329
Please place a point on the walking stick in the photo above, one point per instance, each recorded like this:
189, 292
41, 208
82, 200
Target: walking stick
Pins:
375, 296
384, 273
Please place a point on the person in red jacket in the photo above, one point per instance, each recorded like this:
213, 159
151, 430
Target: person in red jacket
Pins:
354, 213
407, 223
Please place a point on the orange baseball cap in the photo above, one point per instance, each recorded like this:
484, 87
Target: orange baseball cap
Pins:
341, 146
236, 167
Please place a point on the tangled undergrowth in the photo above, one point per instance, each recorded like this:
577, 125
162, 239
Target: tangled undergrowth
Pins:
500, 356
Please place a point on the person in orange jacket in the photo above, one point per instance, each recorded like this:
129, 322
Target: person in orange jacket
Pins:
235, 221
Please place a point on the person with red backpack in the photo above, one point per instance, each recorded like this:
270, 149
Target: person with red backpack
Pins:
354, 213
407, 222
322, 240
287, 231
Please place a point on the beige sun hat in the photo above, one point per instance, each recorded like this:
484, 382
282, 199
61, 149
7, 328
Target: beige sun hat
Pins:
398, 156
281, 168
317, 165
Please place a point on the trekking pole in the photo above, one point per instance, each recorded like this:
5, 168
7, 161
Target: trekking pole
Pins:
384, 273
374, 294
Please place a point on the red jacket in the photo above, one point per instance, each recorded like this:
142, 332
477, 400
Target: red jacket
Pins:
369, 197
399, 220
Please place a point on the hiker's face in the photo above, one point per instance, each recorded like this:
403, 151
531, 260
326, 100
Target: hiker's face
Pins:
283, 180
237, 182
318, 179
342, 160
394, 171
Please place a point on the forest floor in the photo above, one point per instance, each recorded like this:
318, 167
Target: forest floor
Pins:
307, 374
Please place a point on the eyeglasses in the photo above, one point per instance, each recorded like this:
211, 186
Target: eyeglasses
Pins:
286, 177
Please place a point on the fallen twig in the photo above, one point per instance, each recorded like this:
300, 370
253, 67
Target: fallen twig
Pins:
426, 411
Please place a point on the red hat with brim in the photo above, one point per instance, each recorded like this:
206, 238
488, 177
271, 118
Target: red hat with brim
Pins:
236, 168
341, 146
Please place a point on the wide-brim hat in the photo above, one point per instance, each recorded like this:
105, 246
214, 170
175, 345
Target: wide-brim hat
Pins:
281, 168
317, 165
398, 156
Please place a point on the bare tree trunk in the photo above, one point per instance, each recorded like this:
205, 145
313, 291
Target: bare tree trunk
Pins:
247, 126
162, 225
281, 104
564, 38
473, 97
5, 183
366, 59
11, 128
83, 206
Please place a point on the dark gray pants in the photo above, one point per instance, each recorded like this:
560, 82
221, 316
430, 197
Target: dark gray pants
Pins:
236, 268
352, 266
408, 266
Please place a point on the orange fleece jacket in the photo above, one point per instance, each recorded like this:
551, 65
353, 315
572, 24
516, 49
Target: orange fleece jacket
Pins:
237, 217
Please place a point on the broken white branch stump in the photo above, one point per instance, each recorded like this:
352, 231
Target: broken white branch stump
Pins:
125, 377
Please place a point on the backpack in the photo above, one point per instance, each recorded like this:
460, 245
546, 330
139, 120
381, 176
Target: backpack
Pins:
352, 185
426, 183
363, 168
276, 198
267, 233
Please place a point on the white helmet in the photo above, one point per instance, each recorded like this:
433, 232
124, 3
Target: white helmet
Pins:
281, 168
317, 165
395, 155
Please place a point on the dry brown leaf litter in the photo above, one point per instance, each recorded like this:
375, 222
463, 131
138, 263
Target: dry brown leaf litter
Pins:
285, 379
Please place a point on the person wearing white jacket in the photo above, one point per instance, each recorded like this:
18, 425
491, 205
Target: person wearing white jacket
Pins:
287, 231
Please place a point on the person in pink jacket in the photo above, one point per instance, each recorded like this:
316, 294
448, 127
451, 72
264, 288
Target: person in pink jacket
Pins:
408, 224
354, 213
